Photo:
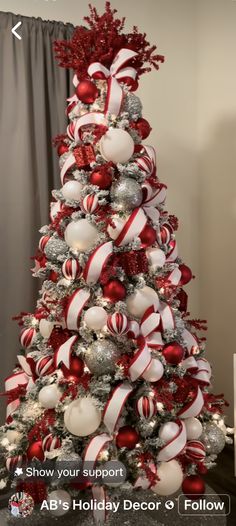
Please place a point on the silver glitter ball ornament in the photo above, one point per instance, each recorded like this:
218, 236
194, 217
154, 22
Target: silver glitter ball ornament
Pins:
132, 105
213, 438
55, 247
100, 358
126, 194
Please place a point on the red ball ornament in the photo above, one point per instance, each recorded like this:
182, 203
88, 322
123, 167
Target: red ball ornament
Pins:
182, 296
114, 291
62, 148
58, 337
87, 91
127, 437
53, 276
186, 274
142, 126
101, 177
173, 353
193, 487
148, 236
76, 368
202, 469
35, 450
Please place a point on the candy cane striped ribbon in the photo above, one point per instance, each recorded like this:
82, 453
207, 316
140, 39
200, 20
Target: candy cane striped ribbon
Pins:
150, 201
133, 227
167, 316
174, 447
96, 262
190, 341
94, 447
174, 277
11, 384
99, 495
75, 307
194, 407
63, 353
114, 76
140, 361
148, 328
173, 252
69, 162
115, 405
203, 374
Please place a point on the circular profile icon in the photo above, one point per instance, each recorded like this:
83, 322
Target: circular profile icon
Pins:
21, 504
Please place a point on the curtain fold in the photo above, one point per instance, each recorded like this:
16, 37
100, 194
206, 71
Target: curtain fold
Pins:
33, 91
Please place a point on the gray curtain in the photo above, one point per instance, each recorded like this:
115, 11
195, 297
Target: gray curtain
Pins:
33, 91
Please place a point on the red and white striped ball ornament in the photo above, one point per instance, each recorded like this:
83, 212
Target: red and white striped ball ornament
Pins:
89, 203
44, 366
27, 337
71, 269
42, 242
117, 323
195, 451
14, 462
146, 407
51, 442
164, 235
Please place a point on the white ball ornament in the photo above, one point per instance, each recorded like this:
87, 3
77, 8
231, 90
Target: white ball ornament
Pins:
141, 300
95, 318
45, 328
63, 501
171, 478
168, 431
154, 371
156, 257
13, 436
80, 235
82, 417
193, 428
49, 396
72, 190
116, 145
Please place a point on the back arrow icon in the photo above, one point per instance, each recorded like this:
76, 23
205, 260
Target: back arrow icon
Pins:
14, 30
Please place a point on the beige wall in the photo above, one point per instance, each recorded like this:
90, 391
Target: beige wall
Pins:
191, 106
216, 132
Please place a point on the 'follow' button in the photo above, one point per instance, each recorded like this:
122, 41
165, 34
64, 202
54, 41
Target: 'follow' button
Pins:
209, 504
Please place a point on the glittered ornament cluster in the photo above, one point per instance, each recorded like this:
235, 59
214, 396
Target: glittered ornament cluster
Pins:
111, 367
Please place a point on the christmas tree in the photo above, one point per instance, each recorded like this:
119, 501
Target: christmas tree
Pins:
111, 368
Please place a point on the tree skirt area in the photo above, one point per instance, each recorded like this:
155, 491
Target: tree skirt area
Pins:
162, 517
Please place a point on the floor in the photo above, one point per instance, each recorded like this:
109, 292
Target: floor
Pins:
222, 480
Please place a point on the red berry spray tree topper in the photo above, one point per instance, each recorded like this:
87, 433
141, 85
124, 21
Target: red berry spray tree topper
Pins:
111, 367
